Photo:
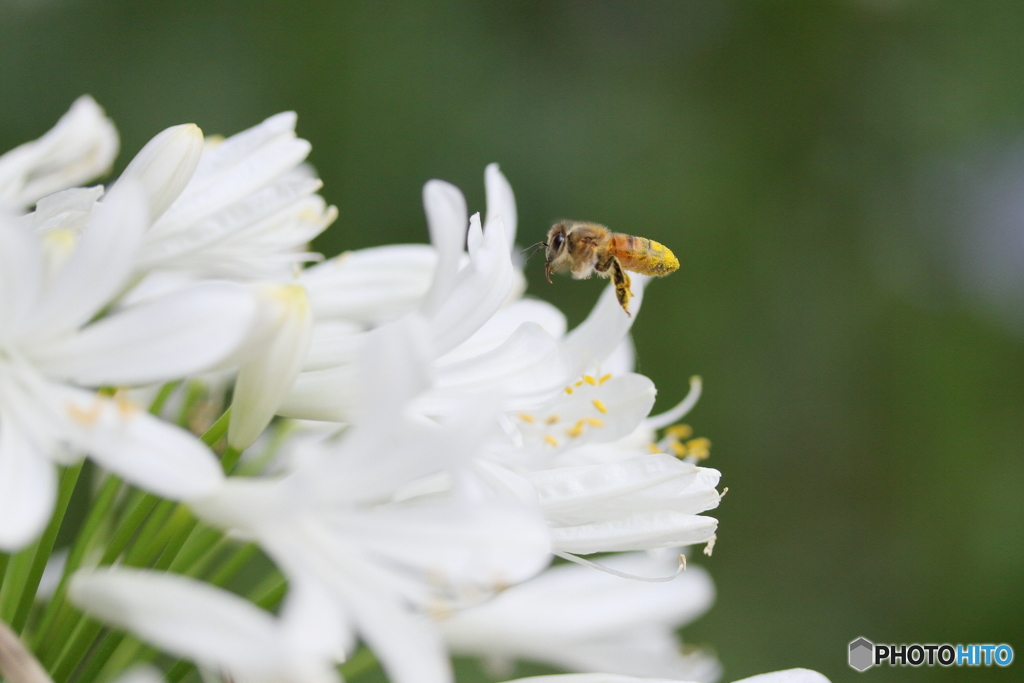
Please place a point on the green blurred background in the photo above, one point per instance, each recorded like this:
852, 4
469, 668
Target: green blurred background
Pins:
842, 181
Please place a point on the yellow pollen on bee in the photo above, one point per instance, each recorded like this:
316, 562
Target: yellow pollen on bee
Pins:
568, 390
699, 448
552, 420
604, 379
600, 406
594, 422
526, 418
589, 380
550, 440
680, 431
576, 429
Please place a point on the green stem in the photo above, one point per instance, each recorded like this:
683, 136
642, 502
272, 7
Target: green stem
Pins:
99, 656
179, 671
74, 649
96, 517
138, 509
269, 593
202, 544
161, 397
227, 570
5, 559
358, 664
217, 430
20, 594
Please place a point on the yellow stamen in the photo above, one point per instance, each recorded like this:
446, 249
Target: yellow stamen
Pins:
699, 448
594, 422
578, 384
604, 378
550, 440
576, 429
600, 406
653, 447
526, 418
124, 405
680, 431
568, 390
589, 380
678, 448
552, 420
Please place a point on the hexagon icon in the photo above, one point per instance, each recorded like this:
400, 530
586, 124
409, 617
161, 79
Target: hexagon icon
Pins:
862, 654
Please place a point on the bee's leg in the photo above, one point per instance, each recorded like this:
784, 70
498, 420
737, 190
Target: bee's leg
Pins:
621, 281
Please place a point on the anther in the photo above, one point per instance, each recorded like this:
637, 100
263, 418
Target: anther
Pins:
604, 378
699, 448
589, 380
550, 440
594, 422
680, 431
552, 420
600, 406
525, 418
568, 390
576, 429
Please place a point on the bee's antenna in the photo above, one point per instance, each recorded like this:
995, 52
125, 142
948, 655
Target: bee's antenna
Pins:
535, 248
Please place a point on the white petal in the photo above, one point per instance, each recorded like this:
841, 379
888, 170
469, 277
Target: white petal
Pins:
574, 495
641, 531
165, 165
590, 678
162, 338
596, 338
21, 266
143, 449
598, 410
501, 202
328, 394
264, 380
79, 148
480, 289
504, 323
103, 258
528, 363
447, 220
192, 619
28, 487
371, 286
787, 676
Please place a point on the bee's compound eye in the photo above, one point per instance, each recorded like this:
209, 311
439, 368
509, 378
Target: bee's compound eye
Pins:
558, 241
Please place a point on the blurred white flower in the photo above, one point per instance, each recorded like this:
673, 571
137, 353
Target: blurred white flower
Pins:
335, 524
243, 208
787, 676
223, 633
82, 146
51, 341
577, 619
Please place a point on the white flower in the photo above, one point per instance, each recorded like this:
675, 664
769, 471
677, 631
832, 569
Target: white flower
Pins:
578, 619
265, 377
242, 208
787, 676
79, 148
49, 347
336, 521
223, 633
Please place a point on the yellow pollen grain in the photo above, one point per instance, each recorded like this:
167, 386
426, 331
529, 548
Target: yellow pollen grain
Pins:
604, 379
653, 447
550, 440
526, 418
552, 420
600, 406
568, 390
578, 384
680, 431
576, 429
594, 422
679, 449
589, 380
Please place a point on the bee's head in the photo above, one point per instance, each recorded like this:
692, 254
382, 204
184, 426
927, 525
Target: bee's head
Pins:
556, 247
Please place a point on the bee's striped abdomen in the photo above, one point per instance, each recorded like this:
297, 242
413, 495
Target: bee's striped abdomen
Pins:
642, 255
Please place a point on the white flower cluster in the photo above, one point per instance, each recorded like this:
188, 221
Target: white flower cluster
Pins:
440, 438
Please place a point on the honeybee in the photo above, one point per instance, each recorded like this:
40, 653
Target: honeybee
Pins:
589, 248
